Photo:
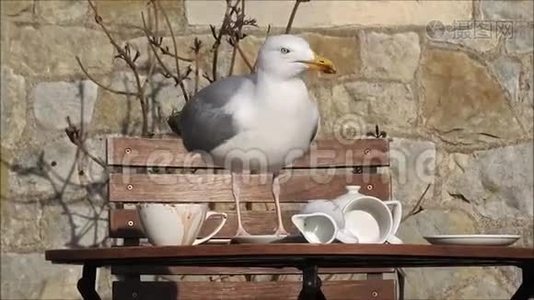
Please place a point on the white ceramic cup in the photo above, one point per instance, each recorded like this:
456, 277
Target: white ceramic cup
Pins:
316, 228
371, 220
175, 224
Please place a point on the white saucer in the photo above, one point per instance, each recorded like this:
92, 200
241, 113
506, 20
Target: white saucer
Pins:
257, 239
473, 239
218, 241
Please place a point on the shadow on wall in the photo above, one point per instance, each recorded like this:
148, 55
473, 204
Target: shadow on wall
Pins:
71, 174
67, 179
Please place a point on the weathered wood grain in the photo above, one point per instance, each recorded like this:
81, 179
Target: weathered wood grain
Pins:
254, 188
342, 290
170, 152
125, 223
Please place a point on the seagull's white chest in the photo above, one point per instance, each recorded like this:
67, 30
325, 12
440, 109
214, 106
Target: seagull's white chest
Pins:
272, 131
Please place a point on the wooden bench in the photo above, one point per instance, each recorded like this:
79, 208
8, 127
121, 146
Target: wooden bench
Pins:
159, 170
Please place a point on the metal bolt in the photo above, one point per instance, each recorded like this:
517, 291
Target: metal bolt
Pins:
374, 294
130, 223
134, 295
129, 187
366, 151
370, 187
128, 150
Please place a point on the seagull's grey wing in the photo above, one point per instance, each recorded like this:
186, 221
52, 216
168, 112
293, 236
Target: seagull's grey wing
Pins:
204, 124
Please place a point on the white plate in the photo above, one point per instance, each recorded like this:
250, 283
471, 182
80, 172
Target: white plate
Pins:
473, 239
257, 239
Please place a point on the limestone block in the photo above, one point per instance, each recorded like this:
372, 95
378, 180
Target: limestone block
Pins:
51, 50
13, 107
336, 13
386, 56
507, 10
497, 182
462, 102
53, 102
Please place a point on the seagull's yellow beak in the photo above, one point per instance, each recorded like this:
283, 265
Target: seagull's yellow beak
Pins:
321, 64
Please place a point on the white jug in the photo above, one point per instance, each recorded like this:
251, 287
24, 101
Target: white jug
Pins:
329, 209
359, 218
317, 228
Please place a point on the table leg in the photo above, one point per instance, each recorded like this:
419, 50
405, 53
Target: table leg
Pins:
526, 289
86, 284
311, 285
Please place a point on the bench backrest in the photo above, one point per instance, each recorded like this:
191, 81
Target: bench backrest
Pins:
160, 170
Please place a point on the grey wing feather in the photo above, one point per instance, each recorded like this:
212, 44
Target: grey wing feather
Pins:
204, 125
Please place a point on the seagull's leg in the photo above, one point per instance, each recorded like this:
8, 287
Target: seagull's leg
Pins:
235, 192
276, 194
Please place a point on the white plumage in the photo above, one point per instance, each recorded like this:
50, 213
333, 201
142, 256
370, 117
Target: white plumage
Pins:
258, 122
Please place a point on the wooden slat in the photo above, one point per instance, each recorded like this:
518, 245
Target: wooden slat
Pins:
171, 270
124, 223
170, 152
343, 290
254, 188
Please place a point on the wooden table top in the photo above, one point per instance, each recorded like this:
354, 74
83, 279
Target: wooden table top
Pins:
295, 255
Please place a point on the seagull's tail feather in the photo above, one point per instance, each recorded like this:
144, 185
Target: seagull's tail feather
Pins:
174, 122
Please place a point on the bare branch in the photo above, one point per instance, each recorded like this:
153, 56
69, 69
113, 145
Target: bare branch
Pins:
125, 54
234, 40
75, 135
165, 51
197, 45
151, 59
293, 14
266, 36
417, 207
100, 84
218, 37
180, 82
166, 71
245, 59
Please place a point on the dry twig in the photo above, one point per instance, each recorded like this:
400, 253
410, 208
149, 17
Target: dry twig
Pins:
76, 136
418, 205
126, 55
175, 47
197, 45
109, 89
293, 14
154, 42
218, 36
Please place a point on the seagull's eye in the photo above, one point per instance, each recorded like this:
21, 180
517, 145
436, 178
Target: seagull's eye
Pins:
284, 50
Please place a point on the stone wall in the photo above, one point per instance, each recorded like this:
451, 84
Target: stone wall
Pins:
457, 100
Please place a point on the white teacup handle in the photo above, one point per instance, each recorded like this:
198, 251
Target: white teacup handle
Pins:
396, 213
214, 232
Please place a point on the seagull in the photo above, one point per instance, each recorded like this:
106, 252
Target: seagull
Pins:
258, 122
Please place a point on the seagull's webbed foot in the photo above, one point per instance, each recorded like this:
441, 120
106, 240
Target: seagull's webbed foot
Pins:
281, 231
242, 232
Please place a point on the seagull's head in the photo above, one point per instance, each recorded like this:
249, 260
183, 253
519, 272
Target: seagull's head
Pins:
288, 56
